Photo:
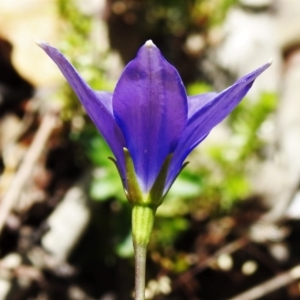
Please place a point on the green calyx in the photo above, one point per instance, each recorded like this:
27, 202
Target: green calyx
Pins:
142, 224
133, 191
155, 196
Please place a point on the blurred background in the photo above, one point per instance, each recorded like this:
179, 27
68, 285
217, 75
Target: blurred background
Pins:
230, 223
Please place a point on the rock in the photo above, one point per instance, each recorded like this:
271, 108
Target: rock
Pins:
11, 261
287, 23
249, 42
278, 179
68, 221
39, 21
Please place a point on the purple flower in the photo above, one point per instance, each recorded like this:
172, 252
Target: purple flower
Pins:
150, 114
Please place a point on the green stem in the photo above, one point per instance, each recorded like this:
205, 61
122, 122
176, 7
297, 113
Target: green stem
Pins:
142, 223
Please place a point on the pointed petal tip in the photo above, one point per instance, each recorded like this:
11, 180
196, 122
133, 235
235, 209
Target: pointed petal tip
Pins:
149, 44
261, 69
267, 64
41, 44
254, 74
270, 61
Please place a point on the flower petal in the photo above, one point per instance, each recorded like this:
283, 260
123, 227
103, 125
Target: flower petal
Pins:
106, 99
97, 104
207, 117
150, 106
197, 101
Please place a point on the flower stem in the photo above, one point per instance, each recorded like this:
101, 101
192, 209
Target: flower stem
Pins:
142, 223
140, 271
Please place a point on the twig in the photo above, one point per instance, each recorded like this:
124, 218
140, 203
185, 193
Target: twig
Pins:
270, 285
25, 169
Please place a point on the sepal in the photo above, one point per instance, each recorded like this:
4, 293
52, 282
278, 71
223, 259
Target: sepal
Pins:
156, 194
132, 191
